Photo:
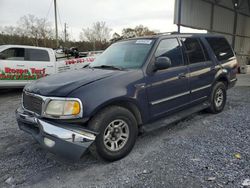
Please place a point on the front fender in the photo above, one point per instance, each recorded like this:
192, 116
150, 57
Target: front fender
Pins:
122, 89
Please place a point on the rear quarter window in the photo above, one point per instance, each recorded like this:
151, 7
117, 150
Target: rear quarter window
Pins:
36, 55
221, 48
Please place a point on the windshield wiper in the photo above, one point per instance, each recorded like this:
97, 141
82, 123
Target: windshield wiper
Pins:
108, 67
86, 65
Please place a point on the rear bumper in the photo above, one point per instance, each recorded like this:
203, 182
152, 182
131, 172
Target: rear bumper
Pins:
66, 140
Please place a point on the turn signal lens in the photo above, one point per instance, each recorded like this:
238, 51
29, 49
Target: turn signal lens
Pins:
71, 108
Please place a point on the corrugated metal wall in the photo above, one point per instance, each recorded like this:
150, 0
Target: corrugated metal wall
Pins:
223, 20
198, 14
194, 17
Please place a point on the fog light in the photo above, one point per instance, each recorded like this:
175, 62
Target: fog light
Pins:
48, 142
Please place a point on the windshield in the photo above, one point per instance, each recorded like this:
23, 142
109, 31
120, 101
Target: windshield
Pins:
127, 54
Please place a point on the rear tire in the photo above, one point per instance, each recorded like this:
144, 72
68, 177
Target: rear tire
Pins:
118, 130
218, 98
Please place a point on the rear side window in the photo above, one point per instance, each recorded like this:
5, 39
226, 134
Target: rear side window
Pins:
221, 48
170, 48
36, 55
13, 54
194, 50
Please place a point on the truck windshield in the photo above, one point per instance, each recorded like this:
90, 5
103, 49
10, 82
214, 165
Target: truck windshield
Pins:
124, 55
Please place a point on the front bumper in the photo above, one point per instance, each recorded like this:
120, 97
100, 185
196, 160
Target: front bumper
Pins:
69, 141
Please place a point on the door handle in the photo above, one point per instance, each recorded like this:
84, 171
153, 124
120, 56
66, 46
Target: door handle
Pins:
50, 66
139, 86
20, 65
182, 75
212, 68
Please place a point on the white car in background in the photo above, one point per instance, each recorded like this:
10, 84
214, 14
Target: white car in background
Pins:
21, 64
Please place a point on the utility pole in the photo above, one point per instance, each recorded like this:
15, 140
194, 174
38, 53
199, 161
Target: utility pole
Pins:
57, 42
65, 32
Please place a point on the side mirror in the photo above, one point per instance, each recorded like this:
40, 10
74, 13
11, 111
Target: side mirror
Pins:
162, 63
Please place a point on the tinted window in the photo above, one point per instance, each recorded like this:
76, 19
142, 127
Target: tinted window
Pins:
36, 55
193, 50
13, 54
221, 48
170, 48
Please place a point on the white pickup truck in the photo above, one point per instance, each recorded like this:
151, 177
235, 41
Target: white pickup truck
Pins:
22, 64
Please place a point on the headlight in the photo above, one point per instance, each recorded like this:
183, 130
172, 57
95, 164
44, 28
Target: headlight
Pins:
63, 108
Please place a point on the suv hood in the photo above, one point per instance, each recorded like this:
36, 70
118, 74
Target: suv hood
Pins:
61, 84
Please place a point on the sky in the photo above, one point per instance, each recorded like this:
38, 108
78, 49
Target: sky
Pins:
157, 15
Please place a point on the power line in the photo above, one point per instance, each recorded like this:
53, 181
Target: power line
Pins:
51, 2
59, 16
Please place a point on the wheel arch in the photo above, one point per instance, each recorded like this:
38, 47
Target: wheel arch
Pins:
221, 77
125, 103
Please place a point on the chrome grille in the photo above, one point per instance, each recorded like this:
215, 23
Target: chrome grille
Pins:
32, 103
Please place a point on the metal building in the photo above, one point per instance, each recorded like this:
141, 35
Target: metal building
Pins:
227, 17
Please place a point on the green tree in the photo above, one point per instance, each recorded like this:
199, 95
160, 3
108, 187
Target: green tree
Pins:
138, 31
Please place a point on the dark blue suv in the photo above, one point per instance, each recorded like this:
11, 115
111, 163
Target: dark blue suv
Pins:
136, 84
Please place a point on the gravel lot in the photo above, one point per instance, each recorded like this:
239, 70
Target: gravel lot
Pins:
202, 151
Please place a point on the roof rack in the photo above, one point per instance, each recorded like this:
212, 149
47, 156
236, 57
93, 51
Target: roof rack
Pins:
168, 33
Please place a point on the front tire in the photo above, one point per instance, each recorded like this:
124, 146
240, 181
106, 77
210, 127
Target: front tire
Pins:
218, 98
118, 130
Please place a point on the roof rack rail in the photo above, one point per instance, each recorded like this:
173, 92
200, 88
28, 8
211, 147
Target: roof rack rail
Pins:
167, 33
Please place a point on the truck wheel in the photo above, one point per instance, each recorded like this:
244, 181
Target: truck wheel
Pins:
118, 130
218, 98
